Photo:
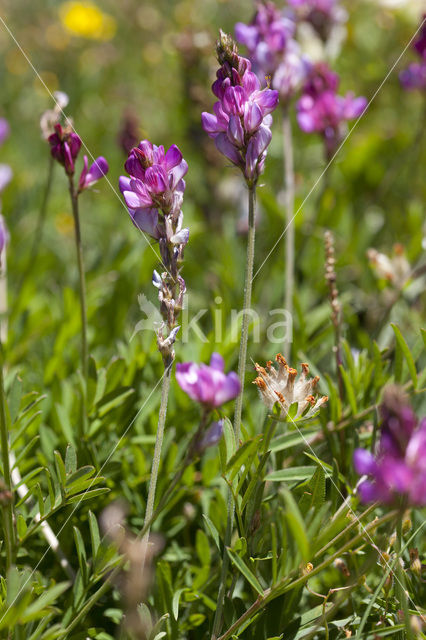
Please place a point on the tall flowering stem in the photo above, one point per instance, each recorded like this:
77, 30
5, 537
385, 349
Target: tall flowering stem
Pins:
400, 584
65, 146
154, 194
289, 185
240, 128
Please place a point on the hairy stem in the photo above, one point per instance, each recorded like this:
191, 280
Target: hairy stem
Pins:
9, 534
242, 359
289, 229
82, 282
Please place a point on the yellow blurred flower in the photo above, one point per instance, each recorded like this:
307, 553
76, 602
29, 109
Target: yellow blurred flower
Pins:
64, 223
85, 19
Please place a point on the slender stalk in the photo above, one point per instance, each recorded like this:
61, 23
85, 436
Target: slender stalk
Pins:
400, 583
242, 359
9, 534
289, 229
157, 451
82, 287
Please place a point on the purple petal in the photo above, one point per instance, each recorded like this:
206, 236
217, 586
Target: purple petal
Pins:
266, 99
229, 389
181, 237
156, 179
250, 82
233, 101
209, 123
173, 157
227, 148
246, 34
97, 170
146, 220
217, 362
176, 175
364, 462
235, 131
252, 116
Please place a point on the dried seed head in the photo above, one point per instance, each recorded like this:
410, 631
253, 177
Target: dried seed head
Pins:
282, 384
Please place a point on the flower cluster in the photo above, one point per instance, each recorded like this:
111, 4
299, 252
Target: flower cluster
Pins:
240, 125
65, 146
154, 195
5, 170
399, 467
323, 15
414, 76
272, 49
322, 110
395, 269
280, 385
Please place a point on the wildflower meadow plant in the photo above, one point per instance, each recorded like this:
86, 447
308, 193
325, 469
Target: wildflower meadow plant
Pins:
65, 146
414, 76
151, 488
321, 110
276, 55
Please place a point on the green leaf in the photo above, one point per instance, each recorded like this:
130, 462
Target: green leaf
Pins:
175, 602
37, 608
81, 553
14, 398
350, 393
296, 524
292, 474
70, 460
87, 495
202, 547
94, 534
214, 532
243, 568
240, 456
60, 468
406, 352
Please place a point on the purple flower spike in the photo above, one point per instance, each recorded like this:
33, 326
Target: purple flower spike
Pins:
155, 188
323, 15
321, 110
399, 467
414, 76
208, 384
64, 147
272, 50
242, 113
97, 170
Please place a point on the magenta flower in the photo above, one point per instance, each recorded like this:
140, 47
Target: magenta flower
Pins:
399, 467
240, 125
64, 147
97, 170
208, 384
266, 37
414, 76
154, 190
321, 110
272, 50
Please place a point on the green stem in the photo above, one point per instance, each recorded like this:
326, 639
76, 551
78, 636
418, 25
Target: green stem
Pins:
289, 229
400, 581
157, 451
283, 587
82, 282
242, 359
9, 534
